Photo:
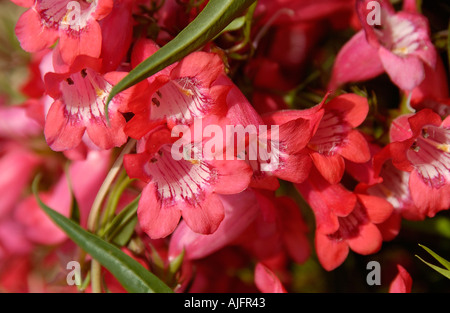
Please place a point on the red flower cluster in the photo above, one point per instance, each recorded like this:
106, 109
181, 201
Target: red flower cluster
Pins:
205, 196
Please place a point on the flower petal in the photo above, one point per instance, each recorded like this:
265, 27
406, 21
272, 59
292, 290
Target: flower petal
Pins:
356, 149
368, 241
32, 35
330, 167
206, 216
61, 132
155, 219
331, 253
402, 283
85, 42
427, 198
347, 68
233, 176
405, 72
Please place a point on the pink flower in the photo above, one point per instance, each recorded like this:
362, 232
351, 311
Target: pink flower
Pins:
401, 47
13, 240
395, 189
402, 283
17, 124
180, 93
187, 188
269, 147
80, 97
420, 145
433, 87
74, 23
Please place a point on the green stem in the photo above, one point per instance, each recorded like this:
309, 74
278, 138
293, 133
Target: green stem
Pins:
96, 208
96, 270
123, 182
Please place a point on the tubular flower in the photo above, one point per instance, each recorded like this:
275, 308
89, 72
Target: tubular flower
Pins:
180, 93
187, 188
74, 23
80, 97
398, 44
268, 145
334, 138
394, 188
345, 220
420, 145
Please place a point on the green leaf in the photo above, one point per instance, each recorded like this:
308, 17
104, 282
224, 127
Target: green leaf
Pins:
121, 220
234, 25
437, 257
444, 262
122, 237
214, 17
440, 270
130, 273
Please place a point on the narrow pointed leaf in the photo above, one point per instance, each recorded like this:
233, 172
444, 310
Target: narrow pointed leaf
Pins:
437, 257
130, 273
214, 17
438, 269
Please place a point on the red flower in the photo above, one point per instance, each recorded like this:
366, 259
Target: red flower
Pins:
334, 138
344, 220
117, 31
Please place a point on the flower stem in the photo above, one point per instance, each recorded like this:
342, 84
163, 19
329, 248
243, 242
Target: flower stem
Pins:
96, 208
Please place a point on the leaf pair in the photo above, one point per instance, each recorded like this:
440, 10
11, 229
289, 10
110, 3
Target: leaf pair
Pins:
444, 262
